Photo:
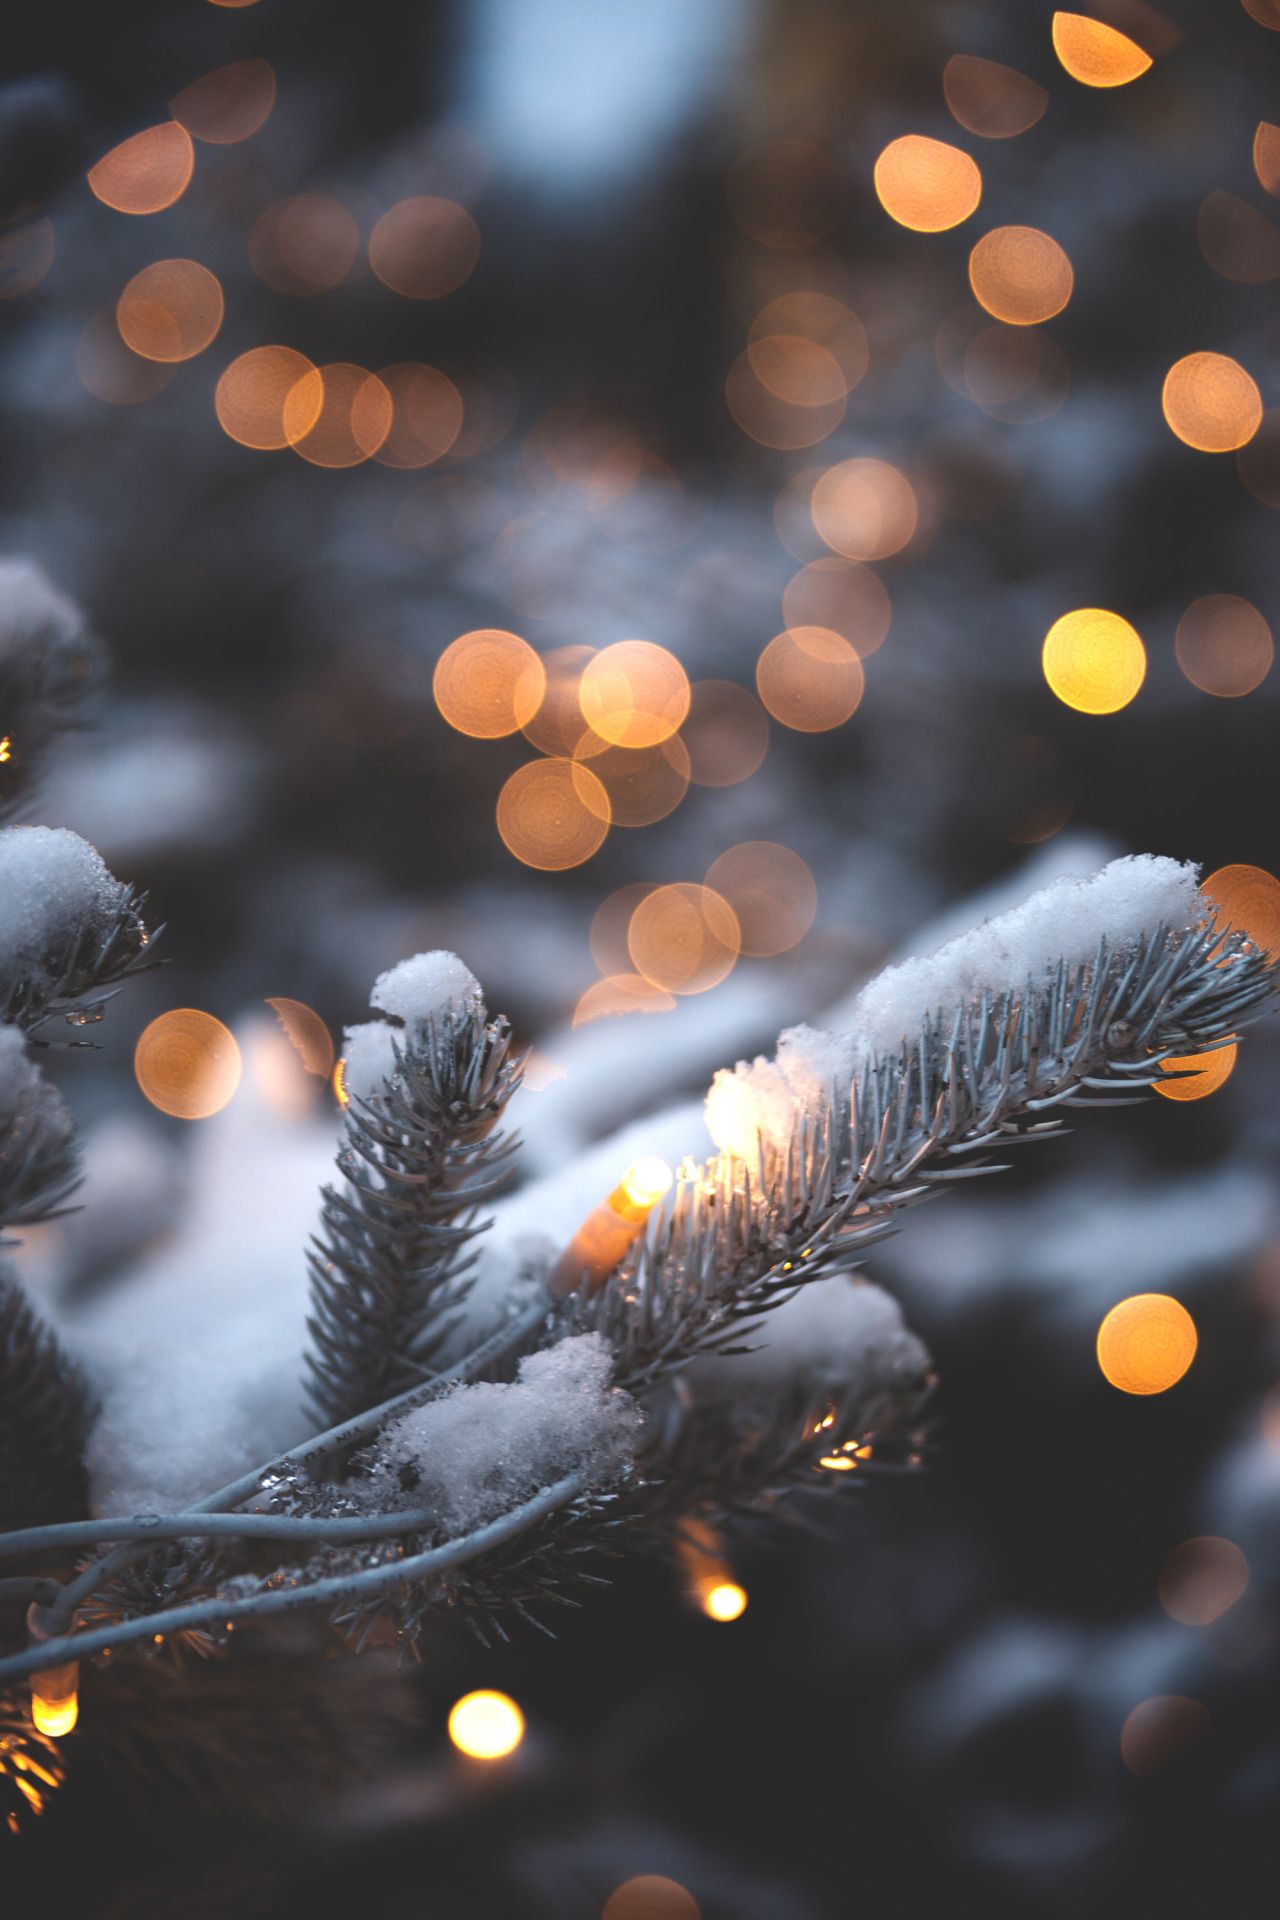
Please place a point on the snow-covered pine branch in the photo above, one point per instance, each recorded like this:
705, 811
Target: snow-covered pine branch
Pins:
419, 1158
1074, 998
69, 931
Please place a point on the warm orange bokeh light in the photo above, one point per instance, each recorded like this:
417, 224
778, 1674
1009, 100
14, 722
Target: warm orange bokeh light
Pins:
307, 1033
684, 938
1246, 899
544, 820
1095, 54
557, 726
845, 597
796, 369
250, 397
304, 245
27, 248
1224, 646
643, 784
1202, 1579
1020, 275
1159, 1728
1206, 1073
426, 415
724, 1601
1016, 374
822, 318
609, 925
771, 891
486, 1725
991, 100
229, 104
488, 683
113, 372
1266, 156
1211, 403
1265, 12
810, 679
772, 421
187, 1064
1146, 1343
650, 1896
1237, 240
425, 247
170, 311
620, 993
634, 694
864, 509
147, 172
925, 184
337, 415
726, 732
1093, 660
785, 193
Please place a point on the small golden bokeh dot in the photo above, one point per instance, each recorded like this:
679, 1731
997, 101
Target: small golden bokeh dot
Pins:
187, 1064
650, 1896
424, 248
864, 509
172, 310
1224, 646
229, 104
1205, 1073
304, 245
634, 694
926, 184
1265, 12
1095, 54
684, 938
642, 784
726, 733
1202, 1579
844, 596
773, 421
488, 683
772, 893
1248, 900
1159, 1729
543, 817
822, 318
1211, 403
486, 1725
1266, 155
1093, 660
337, 415
810, 679
1020, 275
147, 172
1146, 1343
250, 396
993, 101
426, 415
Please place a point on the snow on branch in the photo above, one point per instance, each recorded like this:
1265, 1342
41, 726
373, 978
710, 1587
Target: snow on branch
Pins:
68, 928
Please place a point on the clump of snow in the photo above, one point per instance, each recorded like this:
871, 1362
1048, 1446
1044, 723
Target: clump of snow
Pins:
839, 1336
480, 1450
760, 1100
24, 1089
424, 987
53, 886
368, 1058
17, 1071
1064, 921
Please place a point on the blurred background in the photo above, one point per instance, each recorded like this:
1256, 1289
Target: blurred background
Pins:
589, 486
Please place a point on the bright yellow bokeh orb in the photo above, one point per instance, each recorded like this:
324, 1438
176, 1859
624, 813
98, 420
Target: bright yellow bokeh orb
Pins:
1146, 1343
1093, 660
725, 1601
486, 1725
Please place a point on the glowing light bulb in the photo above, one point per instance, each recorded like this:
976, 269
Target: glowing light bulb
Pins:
486, 1725
613, 1226
725, 1601
55, 1704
